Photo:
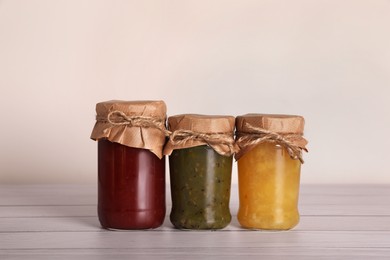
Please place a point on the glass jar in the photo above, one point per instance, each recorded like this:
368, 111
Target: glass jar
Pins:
269, 164
131, 167
200, 163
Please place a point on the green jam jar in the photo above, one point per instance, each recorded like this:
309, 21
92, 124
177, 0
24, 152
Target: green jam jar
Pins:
201, 154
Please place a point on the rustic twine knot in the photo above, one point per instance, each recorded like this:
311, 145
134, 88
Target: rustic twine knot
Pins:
215, 140
259, 135
118, 118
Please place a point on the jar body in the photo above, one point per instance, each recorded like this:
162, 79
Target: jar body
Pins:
131, 187
268, 188
200, 188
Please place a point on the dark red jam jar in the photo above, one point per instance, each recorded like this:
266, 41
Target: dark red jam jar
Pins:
131, 167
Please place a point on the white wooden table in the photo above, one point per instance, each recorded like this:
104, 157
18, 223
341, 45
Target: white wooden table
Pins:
60, 222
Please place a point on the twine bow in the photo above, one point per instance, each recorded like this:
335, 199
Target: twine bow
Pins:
118, 118
259, 135
214, 140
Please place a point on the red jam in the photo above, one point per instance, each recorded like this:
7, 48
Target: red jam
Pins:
131, 187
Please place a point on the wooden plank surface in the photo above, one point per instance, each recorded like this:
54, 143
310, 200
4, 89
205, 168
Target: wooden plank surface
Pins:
60, 222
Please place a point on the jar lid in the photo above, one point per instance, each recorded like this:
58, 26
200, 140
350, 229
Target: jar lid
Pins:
284, 130
138, 124
145, 108
283, 124
190, 130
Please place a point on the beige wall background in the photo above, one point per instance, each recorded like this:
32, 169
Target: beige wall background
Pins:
327, 60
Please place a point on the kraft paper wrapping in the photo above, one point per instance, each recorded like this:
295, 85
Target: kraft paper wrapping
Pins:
288, 127
195, 130
151, 138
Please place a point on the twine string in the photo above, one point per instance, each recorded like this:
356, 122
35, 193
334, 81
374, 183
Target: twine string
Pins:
259, 135
214, 140
118, 118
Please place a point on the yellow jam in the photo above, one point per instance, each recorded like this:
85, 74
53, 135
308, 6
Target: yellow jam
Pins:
268, 188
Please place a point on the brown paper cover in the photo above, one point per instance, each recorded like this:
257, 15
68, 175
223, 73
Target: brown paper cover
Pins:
204, 124
149, 138
284, 125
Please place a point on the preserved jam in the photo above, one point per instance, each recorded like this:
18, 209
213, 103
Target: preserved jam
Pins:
131, 187
131, 165
268, 188
269, 166
201, 151
200, 188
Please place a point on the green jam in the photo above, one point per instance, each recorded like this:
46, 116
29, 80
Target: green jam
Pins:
200, 188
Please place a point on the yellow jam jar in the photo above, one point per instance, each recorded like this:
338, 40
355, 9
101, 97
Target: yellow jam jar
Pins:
269, 164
